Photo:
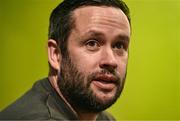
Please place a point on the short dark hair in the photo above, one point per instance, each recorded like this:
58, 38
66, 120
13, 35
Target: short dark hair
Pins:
62, 21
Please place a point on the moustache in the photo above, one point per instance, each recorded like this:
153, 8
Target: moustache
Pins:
106, 76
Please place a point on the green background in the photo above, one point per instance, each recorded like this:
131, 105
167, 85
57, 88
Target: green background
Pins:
152, 89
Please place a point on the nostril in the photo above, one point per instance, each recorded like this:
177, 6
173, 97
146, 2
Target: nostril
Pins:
109, 67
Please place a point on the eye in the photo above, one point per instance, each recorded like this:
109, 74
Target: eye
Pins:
119, 45
120, 48
92, 45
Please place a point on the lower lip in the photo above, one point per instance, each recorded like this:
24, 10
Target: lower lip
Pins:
104, 85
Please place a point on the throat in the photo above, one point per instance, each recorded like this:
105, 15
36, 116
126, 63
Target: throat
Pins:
84, 116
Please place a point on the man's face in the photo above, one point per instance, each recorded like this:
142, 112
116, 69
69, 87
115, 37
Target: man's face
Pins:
93, 72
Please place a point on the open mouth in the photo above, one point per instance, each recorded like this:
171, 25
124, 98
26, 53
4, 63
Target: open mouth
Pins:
105, 82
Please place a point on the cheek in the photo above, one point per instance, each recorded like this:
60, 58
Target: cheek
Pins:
84, 63
122, 67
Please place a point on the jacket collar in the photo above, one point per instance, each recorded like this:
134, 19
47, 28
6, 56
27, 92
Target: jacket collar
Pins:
58, 108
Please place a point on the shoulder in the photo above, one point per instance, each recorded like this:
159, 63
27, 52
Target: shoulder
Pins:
31, 105
105, 116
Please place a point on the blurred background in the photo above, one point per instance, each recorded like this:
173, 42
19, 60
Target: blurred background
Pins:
152, 89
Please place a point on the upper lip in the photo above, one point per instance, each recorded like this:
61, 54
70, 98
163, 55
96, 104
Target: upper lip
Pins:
107, 78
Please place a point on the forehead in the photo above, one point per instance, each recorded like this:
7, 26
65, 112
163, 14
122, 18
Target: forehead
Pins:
100, 16
98, 10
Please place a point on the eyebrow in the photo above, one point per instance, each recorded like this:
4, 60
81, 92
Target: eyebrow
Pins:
95, 33
123, 37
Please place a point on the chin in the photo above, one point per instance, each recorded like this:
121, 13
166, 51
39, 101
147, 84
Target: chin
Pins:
105, 97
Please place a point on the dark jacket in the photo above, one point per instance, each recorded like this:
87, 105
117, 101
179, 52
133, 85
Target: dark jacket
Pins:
42, 102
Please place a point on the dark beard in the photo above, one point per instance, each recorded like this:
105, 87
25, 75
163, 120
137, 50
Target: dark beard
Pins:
75, 87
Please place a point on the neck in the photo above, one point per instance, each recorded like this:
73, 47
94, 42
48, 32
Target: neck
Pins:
87, 116
82, 115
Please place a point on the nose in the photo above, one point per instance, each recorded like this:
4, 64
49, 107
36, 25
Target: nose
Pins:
108, 60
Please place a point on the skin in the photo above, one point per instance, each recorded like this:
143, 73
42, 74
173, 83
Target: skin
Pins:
100, 40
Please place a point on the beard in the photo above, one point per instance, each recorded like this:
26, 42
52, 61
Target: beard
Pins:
75, 87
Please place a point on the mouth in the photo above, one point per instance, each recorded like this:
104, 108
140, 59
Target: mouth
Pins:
105, 82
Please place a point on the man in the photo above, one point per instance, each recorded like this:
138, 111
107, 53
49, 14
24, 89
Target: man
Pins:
88, 55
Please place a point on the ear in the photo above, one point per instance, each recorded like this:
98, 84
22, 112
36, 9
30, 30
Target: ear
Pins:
54, 55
